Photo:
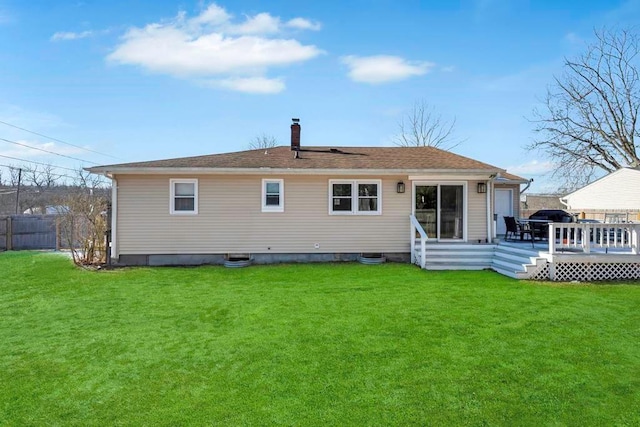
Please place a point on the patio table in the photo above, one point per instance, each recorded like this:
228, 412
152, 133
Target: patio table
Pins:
536, 226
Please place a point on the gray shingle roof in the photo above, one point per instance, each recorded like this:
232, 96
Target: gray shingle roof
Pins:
348, 158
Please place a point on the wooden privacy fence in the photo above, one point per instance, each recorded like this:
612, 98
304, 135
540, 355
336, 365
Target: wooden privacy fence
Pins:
24, 232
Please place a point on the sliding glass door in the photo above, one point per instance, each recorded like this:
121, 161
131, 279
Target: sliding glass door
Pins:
440, 210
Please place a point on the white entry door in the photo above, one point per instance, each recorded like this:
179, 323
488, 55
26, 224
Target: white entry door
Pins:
503, 207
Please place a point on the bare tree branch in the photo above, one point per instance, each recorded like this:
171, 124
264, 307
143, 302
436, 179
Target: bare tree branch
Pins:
263, 141
588, 124
422, 127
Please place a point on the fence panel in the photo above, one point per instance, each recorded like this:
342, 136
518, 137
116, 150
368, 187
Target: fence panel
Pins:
33, 232
3, 234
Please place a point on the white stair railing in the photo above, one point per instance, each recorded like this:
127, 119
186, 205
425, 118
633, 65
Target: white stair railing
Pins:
415, 226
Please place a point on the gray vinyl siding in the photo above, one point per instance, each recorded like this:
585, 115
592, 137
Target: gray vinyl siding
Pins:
230, 217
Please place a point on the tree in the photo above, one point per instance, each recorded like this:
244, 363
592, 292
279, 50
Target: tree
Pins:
84, 221
588, 124
423, 127
263, 141
42, 177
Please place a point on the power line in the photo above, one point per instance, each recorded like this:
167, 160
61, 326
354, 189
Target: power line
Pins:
46, 151
59, 140
37, 163
55, 175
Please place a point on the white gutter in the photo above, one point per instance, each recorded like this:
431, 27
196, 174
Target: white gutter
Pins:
424, 174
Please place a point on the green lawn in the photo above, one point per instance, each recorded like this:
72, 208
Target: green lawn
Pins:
332, 344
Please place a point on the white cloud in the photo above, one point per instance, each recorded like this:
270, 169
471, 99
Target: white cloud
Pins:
303, 24
210, 46
384, 68
63, 35
262, 23
534, 167
212, 15
261, 85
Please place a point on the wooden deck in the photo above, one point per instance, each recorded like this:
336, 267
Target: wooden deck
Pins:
576, 252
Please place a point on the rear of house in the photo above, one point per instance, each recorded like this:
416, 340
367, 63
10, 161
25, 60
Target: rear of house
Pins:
295, 203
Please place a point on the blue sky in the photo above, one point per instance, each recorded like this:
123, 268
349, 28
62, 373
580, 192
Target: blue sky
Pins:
142, 80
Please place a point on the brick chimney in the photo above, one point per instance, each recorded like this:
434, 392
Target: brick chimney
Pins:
295, 135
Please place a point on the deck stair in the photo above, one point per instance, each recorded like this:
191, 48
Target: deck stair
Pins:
517, 260
458, 256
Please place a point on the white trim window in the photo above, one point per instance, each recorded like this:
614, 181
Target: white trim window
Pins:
355, 197
184, 197
272, 195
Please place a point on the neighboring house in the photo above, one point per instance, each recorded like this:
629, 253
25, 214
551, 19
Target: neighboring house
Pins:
616, 192
297, 203
48, 210
530, 203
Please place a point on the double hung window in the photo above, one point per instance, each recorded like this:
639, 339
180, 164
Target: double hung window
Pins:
272, 195
357, 197
184, 197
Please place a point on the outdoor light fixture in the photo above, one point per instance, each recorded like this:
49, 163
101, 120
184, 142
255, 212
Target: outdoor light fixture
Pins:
482, 187
400, 187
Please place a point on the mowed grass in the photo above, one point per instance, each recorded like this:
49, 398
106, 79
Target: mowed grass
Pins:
324, 344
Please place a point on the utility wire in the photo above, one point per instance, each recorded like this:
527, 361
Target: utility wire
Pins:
46, 151
59, 140
37, 163
58, 175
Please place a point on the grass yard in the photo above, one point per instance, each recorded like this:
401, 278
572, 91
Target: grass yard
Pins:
336, 344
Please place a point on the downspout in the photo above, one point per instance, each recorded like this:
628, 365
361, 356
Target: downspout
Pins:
563, 200
490, 220
114, 217
527, 187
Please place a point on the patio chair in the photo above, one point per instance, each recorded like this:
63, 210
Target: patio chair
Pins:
515, 228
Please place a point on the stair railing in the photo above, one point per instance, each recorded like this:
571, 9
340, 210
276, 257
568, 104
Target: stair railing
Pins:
415, 226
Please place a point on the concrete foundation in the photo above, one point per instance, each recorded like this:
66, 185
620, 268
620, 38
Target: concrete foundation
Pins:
218, 259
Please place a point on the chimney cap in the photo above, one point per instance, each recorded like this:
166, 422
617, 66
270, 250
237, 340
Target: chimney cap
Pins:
294, 120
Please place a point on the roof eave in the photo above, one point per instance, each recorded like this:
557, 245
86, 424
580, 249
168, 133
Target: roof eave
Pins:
108, 171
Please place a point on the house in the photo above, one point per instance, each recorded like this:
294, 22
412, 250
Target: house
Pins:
614, 193
48, 210
299, 203
530, 203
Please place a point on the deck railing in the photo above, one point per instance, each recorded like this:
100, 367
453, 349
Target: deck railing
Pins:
593, 236
415, 226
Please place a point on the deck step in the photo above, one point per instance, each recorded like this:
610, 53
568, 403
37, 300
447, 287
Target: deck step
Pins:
512, 259
457, 256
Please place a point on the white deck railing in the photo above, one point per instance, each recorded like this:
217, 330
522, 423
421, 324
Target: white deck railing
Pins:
415, 226
593, 236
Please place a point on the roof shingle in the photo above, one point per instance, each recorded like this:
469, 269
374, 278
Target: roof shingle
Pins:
348, 158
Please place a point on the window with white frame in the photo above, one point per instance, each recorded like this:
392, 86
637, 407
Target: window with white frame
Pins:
184, 197
272, 195
357, 197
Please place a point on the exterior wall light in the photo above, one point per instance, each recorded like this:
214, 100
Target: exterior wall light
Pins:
400, 187
482, 187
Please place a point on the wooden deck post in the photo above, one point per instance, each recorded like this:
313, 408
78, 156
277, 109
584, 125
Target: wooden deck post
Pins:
586, 238
552, 239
